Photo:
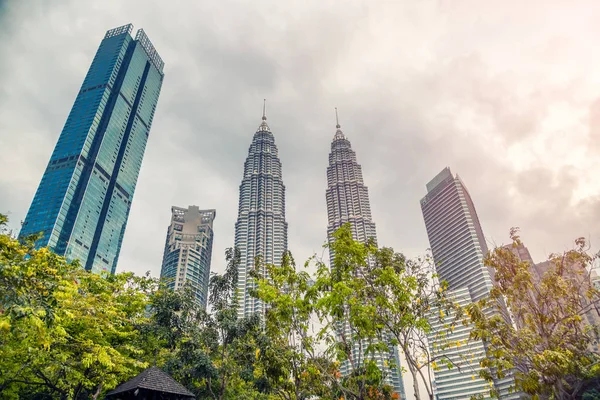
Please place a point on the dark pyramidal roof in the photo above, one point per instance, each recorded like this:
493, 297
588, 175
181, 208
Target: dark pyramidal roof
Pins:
153, 379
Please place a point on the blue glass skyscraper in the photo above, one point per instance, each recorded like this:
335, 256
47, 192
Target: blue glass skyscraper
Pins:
83, 200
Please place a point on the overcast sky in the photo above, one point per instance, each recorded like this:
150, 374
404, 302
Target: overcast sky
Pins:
506, 93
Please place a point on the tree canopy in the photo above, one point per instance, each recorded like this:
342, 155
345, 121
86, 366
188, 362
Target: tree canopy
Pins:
64, 332
67, 333
550, 341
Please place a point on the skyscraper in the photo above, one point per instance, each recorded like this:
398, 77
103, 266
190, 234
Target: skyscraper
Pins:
261, 229
347, 196
456, 383
82, 203
455, 235
188, 250
458, 247
348, 202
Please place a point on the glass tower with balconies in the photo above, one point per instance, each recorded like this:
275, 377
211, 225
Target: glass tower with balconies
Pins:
455, 235
188, 251
81, 206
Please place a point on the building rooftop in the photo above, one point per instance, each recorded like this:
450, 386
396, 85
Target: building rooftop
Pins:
152, 379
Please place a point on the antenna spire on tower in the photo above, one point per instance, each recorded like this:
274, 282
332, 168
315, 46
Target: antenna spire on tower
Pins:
263, 125
338, 133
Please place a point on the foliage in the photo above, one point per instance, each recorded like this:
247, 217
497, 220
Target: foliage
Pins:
368, 300
211, 354
65, 332
403, 293
68, 333
351, 330
288, 361
547, 344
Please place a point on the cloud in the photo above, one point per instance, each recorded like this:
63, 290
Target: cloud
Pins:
505, 94
419, 87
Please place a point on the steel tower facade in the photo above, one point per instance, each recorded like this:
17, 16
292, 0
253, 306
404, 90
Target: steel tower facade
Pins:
348, 202
261, 229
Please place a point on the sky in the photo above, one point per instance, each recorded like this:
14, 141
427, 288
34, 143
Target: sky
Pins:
505, 93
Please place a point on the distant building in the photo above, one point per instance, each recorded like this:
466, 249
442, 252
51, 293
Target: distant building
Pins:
82, 203
261, 229
458, 247
348, 202
585, 280
522, 253
188, 250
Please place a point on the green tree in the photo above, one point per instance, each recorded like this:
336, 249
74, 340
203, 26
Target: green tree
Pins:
403, 292
65, 332
288, 360
212, 354
349, 329
548, 344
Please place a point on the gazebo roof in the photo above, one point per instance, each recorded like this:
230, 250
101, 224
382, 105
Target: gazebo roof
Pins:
153, 379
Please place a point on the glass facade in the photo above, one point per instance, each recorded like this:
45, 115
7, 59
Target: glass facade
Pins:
188, 251
82, 203
348, 202
261, 229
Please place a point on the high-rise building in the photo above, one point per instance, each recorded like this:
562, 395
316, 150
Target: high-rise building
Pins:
458, 247
188, 250
348, 202
456, 383
82, 203
261, 229
455, 235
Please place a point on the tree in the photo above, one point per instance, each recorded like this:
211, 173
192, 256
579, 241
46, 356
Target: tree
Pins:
213, 354
548, 344
350, 333
65, 332
403, 292
351, 329
288, 361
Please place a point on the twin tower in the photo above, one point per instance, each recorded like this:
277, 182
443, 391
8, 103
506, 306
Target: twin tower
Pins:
261, 228
81, 207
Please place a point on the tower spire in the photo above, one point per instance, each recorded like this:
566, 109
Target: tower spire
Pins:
338, 132
263, 125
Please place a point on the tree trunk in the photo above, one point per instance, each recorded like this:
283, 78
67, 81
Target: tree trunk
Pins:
98, 391
415, 382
